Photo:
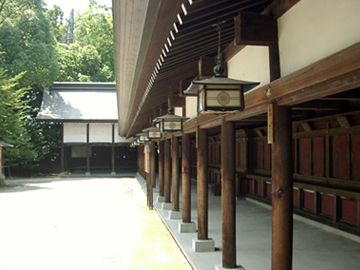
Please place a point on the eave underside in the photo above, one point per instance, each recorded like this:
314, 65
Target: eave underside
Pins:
174, 50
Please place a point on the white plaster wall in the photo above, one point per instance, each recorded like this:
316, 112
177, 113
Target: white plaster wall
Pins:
314, 29
250, 64
100, 133
119, 139
191, 106
178, 111
74, 132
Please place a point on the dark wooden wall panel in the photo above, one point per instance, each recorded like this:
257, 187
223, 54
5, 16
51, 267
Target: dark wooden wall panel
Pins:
259, 188
259, 155
355, 157
309, 199
341, 162
268, 190
251, 186
237, 155
349, 211
243, 185
305, 156
327, 205
296, 197
319, 161
267, 156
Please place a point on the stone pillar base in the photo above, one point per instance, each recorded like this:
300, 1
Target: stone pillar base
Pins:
87, 173
203, 245
155, 189
160, 199
166, 206
187, 227
175, 215
113, 173
238, 267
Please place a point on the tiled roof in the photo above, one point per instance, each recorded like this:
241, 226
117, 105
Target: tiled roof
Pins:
75, 101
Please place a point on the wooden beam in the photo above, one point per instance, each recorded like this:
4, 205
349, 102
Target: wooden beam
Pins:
167, 173
255, 29
175, 183
202, 184
276, 9
161, 167
282, 190
186, 178
343, 121
334, 74
228, 205
279, 7
306, 126
152, 174
177, 101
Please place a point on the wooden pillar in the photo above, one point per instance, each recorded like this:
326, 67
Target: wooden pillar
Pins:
167, 180
161, 168
228, 206
152, 173
175, 174
282, 190
62, 149
202, 184
113, 150
87, 148
153, 164
186, 178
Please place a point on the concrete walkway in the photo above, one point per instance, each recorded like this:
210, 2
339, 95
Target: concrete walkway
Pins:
82, 223
316, 246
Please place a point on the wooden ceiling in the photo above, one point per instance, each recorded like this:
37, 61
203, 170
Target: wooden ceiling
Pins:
183, 32
179, 32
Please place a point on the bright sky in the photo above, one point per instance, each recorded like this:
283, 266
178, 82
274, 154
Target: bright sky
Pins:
77, 5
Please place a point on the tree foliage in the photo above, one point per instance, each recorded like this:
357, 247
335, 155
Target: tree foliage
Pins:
28, 56
32, 56
12, 123
91, 56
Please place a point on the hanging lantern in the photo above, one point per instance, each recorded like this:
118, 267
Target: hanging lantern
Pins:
170, 122
220, 93
153, 132
142, 137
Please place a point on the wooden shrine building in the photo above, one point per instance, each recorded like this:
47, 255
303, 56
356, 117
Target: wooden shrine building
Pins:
296, 145
88, 114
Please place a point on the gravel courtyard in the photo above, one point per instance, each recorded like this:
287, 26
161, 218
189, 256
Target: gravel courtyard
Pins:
82, 223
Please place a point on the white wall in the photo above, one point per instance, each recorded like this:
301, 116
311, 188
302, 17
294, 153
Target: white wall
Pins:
100, 133
74, 132
250, 64
119, 139
314, 29
191, 106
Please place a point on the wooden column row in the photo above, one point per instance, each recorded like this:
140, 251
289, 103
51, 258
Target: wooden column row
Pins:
282, 223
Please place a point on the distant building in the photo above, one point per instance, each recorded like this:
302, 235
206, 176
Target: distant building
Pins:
88, 114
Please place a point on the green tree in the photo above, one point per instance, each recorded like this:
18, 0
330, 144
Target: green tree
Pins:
12, 123
27, 47
93, 29
58, 28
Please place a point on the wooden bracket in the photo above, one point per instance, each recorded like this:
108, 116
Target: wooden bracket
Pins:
343, 121
255, 29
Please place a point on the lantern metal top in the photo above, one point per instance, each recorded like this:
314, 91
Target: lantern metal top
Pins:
170, 116
191, 90
153, 128
223, 80
140, 134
